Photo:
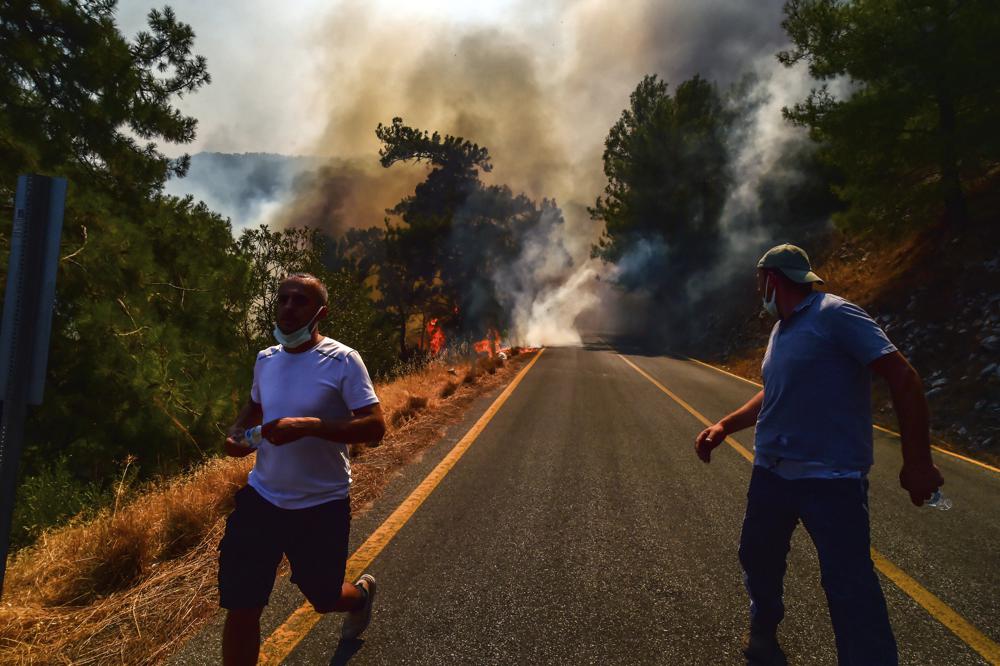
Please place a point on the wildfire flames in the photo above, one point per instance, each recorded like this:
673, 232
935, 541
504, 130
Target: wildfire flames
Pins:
436, 340
435, 337
489, 345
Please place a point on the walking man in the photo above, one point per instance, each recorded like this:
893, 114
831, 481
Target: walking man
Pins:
313, 396
812, 453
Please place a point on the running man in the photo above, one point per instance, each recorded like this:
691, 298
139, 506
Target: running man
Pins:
812, 453
313, 396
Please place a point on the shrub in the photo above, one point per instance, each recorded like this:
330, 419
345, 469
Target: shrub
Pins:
52, 497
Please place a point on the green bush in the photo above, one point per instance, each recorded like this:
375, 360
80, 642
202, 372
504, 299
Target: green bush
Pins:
51, 497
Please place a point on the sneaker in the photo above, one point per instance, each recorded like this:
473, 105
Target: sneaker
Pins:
357, 621
762, 649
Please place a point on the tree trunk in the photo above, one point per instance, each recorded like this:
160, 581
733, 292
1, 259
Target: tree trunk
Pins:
403, 317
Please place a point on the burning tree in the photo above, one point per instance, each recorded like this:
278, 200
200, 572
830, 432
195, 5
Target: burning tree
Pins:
455, 235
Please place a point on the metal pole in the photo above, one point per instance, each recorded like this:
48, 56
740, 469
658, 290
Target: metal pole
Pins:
27, 318
11, 443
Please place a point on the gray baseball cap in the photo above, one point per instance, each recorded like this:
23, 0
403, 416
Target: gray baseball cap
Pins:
792, 261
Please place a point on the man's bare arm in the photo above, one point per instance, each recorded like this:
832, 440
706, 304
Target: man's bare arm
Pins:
251, 415
919, 476
745, 416
365, 425
742, 418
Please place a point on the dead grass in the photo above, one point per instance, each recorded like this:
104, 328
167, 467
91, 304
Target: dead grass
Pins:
130, 585
411, 407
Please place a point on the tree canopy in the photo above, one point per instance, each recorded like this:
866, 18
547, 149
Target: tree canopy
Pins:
667, 166
455, 237
159, 311
909, 102
77, 97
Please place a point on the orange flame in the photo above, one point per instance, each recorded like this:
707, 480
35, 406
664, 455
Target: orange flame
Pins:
489, 345
436, 337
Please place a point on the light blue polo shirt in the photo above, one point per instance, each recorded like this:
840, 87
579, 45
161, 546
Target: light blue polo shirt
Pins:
817, 389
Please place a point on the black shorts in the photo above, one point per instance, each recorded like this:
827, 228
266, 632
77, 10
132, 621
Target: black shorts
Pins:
258, 533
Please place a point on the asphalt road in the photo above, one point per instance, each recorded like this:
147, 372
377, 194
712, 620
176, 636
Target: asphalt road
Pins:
580, 528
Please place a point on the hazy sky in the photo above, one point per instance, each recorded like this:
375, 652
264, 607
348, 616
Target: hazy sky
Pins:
314, 76
538, 83
269, 63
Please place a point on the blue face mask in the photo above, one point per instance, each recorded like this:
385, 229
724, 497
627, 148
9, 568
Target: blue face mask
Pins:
296, 338
771, 306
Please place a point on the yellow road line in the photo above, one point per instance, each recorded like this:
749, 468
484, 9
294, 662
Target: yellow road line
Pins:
690, 410
284, 639
939, 610
725, 372
877, 427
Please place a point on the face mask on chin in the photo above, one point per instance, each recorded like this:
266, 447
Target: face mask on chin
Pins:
295, 338
771, 306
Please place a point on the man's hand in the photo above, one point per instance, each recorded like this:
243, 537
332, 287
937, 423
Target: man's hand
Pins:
233, 447
708, 439
920, 481
289, 429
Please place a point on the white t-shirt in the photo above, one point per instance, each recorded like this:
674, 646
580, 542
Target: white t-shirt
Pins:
328, 381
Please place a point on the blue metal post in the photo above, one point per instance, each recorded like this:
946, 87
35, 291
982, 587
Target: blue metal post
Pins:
26, 325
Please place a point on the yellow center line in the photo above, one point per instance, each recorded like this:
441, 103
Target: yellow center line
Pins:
947, 452
690, 410
284, 639
939, 610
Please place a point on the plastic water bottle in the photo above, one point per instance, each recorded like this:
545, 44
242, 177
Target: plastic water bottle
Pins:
939, 501
252, 437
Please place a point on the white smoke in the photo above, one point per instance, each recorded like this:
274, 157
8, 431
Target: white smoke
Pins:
759, 144
549, 284
538, 84
550, 318
761, 141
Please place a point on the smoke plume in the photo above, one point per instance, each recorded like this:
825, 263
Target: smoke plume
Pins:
539, 84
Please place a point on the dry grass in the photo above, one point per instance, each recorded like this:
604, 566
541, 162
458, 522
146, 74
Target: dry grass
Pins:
448, 389
122, 587
129, 586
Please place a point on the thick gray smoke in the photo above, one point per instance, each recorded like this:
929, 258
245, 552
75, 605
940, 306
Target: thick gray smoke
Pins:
761, 146
538, 84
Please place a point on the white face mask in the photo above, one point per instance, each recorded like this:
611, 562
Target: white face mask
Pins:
771, 306
295, 338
